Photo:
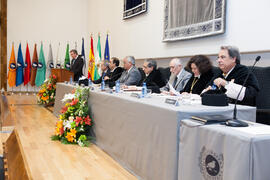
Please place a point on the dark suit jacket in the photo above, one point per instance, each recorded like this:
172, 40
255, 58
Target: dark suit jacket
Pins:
200, 85
114, 76
76, 67
239, 74
154, 81
98, 81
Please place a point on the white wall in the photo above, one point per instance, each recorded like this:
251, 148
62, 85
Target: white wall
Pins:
69, 20
247, 27
50, 21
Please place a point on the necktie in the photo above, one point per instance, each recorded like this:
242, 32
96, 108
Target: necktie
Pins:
174, 82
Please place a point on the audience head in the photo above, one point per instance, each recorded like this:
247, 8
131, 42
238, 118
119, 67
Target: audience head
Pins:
228, 57
175, 66
149, 65
114, 62
104, 65
129, 61
199, 64
73, 53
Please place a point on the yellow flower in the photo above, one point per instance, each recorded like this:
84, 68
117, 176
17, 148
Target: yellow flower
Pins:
73, 132
69, 137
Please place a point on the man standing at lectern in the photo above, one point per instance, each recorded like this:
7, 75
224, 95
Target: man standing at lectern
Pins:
76, 64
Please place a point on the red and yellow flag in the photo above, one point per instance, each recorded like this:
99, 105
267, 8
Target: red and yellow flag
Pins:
91, 65
12, 69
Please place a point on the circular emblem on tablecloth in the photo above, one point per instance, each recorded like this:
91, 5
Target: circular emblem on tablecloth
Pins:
40, 65
211, 164
58, 65
25, 65
19, 65
12, 66
34, 65
51, 65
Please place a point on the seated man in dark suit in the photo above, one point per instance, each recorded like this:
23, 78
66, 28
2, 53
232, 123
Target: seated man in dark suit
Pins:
76, 64
105, 72
153, 78
131, 75
232, 75
116, 71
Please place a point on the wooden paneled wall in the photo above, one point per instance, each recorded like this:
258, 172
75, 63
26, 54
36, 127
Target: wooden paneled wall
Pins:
3, 45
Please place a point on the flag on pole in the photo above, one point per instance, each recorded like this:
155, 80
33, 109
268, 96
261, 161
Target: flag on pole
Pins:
12, 69
50, 63
34, 67
67, 59
41, 69
107, 50
91, 64
83, 55
27, 66
99, 49
20, 67
58, 62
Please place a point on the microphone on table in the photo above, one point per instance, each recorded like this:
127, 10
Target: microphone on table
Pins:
234, 122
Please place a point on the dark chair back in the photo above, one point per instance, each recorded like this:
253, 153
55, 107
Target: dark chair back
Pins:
263, 99
165, 73
142, 76
263, 76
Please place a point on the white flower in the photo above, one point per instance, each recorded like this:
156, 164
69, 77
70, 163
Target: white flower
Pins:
71, 118
67, 124
68, 97
80, 143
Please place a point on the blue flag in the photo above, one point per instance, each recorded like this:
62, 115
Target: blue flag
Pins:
83, 55
107, 50
20, 66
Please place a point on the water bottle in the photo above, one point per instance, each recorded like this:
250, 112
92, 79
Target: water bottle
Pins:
117, 86
70, 80
102, 87
144, 90
213, 87
89, 82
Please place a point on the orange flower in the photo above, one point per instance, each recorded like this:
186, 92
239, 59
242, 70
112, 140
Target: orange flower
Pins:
69, 137
73, 132
74, 102
59, 130
45, 98
63, 110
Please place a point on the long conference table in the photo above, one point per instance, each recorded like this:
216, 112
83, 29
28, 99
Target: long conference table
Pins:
143, 134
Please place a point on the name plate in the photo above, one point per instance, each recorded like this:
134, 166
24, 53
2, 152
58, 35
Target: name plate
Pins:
171, 101
136, 95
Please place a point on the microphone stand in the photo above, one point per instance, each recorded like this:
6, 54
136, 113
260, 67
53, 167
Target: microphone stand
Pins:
234, 122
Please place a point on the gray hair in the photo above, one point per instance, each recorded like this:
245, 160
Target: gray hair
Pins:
233, 52
151, 63
130, 59
177, 61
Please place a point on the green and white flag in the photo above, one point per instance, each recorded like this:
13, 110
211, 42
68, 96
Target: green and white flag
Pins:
41, 69
67, 59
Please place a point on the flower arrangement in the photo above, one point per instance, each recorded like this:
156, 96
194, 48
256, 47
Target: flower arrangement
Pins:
73, 126
46, 94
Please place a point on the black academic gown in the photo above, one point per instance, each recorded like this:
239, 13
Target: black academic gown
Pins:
239, 73
76, 67
154, 81
98, 81
201, 83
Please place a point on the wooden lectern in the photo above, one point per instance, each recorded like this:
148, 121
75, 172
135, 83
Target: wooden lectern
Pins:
62, 74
